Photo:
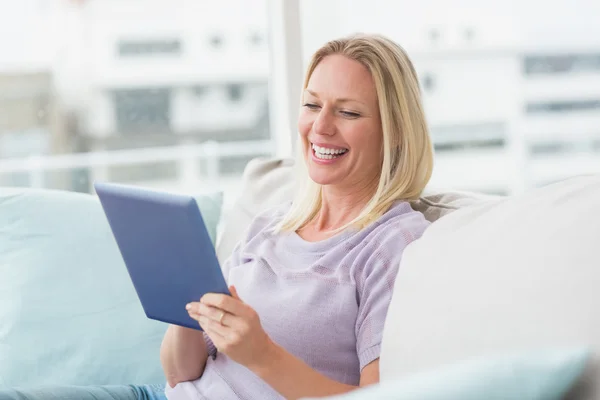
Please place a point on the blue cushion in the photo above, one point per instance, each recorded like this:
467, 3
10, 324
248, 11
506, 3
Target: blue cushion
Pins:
69, 314
536, 375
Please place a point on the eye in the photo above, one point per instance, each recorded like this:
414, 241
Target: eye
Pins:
311, 106
350, 114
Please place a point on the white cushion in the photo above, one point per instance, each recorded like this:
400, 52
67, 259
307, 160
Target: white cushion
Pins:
518, 273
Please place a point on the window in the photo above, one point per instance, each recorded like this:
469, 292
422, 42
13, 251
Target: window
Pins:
428, 82
551, 147
469, 34
133, 75
132, 48
200, 91
561, 64
448, 137
554, 147
235, 92
562, 106
434, 35
131, 79
143, 110
256, 39
216, 41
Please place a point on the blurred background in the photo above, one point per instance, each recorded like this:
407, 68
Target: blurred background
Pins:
180, 94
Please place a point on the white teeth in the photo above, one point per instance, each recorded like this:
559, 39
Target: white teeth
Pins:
322, 151
325, 156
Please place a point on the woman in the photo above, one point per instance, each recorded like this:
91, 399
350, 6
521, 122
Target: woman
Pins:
312, 281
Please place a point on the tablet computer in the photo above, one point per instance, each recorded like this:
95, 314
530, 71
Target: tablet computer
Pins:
166, 248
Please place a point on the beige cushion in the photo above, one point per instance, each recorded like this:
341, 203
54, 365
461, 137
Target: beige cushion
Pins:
266, 183
518, 273
269, 182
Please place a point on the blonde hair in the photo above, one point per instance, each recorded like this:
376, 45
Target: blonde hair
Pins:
407, 151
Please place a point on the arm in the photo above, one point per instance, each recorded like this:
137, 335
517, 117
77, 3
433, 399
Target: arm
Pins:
293, 379
235, 329
183, 354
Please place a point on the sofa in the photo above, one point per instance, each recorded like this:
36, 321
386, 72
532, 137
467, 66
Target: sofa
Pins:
491, 276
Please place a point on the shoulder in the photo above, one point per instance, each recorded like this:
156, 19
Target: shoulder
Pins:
381, 244
399, 225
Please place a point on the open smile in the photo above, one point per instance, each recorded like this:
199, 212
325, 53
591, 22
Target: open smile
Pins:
327, 153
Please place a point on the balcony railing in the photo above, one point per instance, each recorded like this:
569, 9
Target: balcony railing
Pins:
198, 165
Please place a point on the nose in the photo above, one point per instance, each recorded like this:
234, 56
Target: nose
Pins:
324, 124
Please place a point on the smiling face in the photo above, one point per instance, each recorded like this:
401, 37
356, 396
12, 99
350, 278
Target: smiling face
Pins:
340, 124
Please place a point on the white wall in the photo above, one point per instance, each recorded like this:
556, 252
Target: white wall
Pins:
99, 117
27, 40
192, 22
472, 89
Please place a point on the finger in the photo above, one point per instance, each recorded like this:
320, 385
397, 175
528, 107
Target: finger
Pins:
192, 310
218, 340
209, 325
194, 316
223, 302
214, 336
203, 309
231, 324
230, 321
234, 293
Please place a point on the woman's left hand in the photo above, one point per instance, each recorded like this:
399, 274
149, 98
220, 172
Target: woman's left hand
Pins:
233, 326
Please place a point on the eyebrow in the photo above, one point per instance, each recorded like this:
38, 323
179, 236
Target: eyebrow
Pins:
342, 100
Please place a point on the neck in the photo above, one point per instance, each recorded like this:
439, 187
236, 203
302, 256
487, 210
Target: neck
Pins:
340, 206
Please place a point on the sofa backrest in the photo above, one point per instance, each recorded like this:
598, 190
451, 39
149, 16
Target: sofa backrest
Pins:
495, 275
268, 182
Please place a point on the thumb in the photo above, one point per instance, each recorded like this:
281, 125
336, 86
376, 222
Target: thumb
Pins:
234, 293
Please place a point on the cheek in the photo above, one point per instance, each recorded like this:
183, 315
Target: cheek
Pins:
304, 123
367, 139
361, 135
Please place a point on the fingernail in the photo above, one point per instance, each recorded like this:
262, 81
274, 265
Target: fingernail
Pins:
188, 306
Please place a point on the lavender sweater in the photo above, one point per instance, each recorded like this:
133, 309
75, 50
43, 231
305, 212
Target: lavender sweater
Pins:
325, 302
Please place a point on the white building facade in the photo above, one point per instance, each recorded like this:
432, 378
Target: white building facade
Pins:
511, 96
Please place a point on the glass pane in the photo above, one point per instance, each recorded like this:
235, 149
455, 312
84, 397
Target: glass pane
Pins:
511, 94
170, 94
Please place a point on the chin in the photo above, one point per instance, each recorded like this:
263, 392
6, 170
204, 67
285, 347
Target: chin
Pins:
321, 178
